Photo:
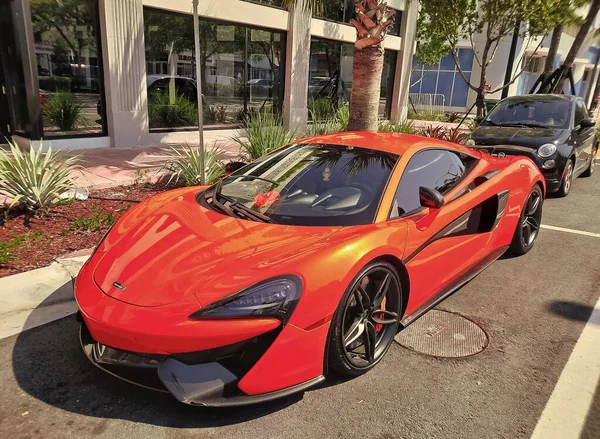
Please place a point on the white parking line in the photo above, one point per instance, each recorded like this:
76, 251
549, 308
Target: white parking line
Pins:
577, 232
567, 409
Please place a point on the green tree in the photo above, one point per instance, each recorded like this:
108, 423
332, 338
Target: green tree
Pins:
444, 23
582, 34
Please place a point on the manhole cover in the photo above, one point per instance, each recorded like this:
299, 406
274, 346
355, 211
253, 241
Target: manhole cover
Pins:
444, 334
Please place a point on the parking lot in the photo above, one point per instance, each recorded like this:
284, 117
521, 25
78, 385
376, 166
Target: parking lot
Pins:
533, 309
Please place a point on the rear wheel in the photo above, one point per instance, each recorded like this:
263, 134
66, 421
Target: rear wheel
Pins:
366, 320
590, 170
565, 186
529, 223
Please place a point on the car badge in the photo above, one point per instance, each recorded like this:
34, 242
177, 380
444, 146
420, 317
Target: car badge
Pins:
119, 286
501, 154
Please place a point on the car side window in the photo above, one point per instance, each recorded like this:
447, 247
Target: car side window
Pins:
437, 169
580, 113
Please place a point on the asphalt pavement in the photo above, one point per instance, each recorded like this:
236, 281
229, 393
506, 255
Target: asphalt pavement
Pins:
533, 308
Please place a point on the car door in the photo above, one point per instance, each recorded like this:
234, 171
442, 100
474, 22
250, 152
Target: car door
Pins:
439, 247
583, 138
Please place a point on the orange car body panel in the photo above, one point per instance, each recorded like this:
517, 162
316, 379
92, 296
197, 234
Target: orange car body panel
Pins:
176, 257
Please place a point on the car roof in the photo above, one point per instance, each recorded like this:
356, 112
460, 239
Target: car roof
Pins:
394, 143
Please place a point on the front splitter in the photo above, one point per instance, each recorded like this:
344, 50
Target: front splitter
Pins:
207, 384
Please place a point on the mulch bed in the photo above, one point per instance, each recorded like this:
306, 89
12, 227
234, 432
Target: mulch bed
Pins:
44, 238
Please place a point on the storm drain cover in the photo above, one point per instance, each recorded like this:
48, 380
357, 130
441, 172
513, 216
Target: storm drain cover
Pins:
444, 334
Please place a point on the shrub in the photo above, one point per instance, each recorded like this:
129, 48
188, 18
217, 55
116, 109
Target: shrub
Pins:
404, 127
431, 115
321, 109
316, 128
166, 113
100, 221
63, 111
184, 164
35, 181
55, 83
262, 134
343, 116
214, 114
434, 132
453, 117
456, 135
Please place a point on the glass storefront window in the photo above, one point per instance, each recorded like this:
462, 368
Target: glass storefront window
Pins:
67, 53
276, 3
330, 75
343, 11
240, 70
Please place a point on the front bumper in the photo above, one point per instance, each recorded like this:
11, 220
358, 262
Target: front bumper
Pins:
205, 383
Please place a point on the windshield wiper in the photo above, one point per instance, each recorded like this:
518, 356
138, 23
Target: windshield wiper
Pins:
522, 124
234, 207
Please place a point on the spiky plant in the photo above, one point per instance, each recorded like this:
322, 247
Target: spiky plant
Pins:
63, 111
35, 180
185, 165
262, 134
373, 20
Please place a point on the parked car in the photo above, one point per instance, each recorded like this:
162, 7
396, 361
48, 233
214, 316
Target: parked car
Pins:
555, 131
305, 262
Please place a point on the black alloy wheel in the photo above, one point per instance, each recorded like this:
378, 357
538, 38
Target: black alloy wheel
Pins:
366, 321
529, 224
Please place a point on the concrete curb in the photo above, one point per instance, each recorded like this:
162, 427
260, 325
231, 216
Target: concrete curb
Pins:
40, 296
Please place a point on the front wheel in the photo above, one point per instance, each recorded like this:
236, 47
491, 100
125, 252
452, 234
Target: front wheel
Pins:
590, 170
529, 223
366, 320
565, 186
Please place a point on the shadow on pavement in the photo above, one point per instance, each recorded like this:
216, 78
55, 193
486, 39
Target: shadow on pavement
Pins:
572, 311
49, 364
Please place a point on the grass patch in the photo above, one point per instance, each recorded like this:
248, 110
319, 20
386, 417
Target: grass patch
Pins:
9, 246
100, 221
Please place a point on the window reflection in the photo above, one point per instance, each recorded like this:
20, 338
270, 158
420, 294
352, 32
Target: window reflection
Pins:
330, 75
68, 65
343, 11
240, 70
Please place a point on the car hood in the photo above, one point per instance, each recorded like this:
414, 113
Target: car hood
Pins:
182, 249
521, 136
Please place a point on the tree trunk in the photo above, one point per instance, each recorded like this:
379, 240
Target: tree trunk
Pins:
554, 43
366, 87
551, 57
579, 39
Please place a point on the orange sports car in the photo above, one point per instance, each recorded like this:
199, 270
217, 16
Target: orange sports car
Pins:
305, 262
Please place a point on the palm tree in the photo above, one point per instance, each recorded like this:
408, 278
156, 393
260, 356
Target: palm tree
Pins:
373, 20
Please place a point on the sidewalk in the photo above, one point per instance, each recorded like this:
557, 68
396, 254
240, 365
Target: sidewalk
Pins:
106, 167
49, 290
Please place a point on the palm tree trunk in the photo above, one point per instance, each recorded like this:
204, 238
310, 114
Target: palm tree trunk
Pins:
576, 47
366, 87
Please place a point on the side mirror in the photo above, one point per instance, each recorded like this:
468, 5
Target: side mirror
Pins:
588, 123
430, 198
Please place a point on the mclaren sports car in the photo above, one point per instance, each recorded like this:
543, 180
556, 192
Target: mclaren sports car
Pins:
305, 262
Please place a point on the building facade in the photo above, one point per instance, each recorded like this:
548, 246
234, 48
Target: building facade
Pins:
444, 86
101, 73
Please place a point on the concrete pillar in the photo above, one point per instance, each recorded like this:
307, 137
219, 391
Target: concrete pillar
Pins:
122, 29
408, 30
295, 101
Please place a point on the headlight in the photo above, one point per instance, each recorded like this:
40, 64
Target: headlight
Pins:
275, 297
470, 143
546, 150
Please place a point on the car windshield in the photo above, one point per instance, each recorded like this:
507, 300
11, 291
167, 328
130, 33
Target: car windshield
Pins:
542, 112
308, 184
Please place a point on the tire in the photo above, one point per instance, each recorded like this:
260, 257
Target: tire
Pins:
590, 169
529, 223
348, 352
565, 186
